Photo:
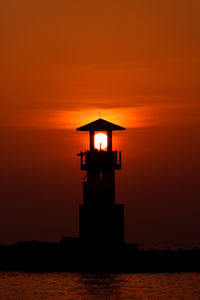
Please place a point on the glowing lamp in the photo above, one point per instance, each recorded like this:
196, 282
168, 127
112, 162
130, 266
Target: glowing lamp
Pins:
100, 141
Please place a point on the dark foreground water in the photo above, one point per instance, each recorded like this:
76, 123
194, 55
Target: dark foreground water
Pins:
33, 286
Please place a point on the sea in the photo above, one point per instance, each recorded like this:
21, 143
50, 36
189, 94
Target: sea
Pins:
87, 286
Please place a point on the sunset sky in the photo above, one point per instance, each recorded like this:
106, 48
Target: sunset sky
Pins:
136, 62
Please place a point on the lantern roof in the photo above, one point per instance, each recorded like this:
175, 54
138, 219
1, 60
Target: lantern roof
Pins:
100, 125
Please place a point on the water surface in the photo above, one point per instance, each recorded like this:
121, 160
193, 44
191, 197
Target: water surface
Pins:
57, 286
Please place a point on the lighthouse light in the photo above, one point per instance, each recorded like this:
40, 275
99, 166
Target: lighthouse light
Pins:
100, 141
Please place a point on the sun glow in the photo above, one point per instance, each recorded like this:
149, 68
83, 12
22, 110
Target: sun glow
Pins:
100, 141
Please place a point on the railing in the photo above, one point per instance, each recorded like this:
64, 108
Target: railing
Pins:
83, 158
117, 159
102, 159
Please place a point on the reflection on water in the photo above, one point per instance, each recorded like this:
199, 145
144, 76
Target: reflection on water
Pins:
29, 286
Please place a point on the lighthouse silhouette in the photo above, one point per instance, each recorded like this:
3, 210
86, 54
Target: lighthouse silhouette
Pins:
101, 220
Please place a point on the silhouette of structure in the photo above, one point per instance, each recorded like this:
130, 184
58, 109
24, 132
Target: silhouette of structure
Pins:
101, 220
101, 228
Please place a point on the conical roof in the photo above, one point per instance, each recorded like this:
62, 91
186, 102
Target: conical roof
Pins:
100, 125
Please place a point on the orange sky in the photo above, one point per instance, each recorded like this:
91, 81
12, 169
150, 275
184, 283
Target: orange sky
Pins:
63, 62
98, 55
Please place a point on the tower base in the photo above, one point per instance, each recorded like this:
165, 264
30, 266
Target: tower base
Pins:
102, 225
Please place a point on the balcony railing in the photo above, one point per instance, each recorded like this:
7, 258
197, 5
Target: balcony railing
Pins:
118, 159
100, 160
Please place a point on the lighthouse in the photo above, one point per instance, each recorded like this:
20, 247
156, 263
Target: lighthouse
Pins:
101, 220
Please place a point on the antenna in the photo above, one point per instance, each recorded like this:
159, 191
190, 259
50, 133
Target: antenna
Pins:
99, 114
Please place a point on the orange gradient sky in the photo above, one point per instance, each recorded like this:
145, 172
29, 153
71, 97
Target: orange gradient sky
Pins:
134, 62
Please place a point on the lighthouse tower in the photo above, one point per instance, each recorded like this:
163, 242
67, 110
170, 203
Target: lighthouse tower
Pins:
101, 219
